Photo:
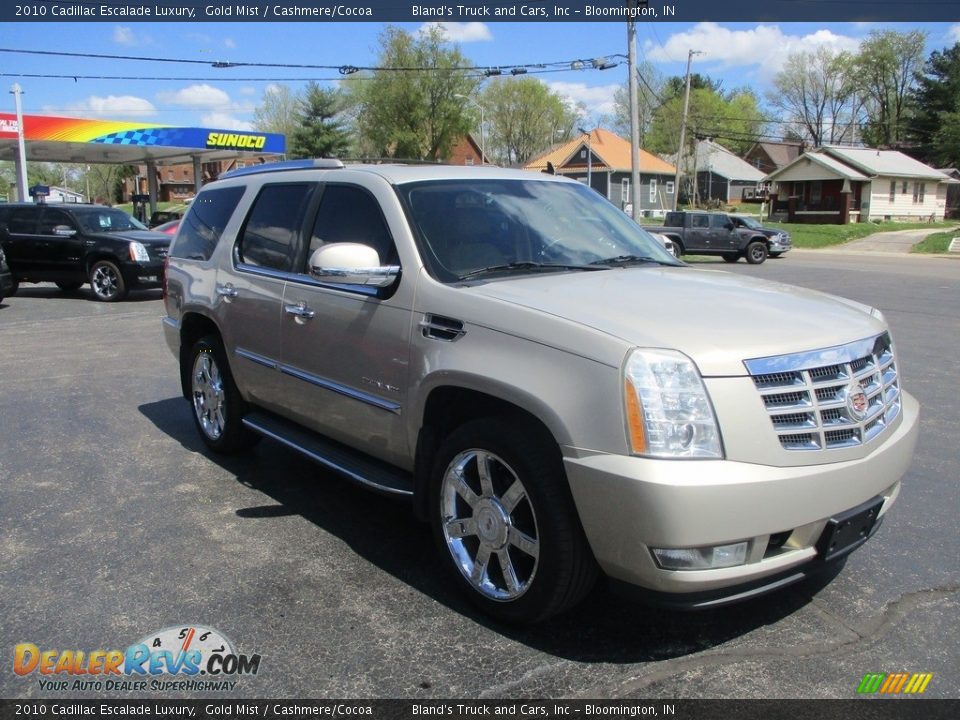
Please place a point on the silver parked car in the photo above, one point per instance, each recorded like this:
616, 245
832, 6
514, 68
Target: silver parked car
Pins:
490, 343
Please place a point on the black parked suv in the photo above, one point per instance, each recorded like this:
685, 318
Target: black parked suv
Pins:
70, 244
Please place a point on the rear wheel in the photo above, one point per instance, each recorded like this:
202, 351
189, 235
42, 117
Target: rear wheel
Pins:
504, 519
107, 282
756, 252
217, 405
69, 286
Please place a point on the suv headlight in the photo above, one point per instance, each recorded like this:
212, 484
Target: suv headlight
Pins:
138, 252
669, 414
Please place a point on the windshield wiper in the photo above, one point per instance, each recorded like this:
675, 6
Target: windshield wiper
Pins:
629, 260
527, 265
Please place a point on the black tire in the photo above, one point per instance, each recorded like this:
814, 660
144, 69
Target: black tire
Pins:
756, 252
106, 281
524, 513
71, 286
215, 402
731, 257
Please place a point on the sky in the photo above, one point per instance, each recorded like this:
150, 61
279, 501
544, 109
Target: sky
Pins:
199, 95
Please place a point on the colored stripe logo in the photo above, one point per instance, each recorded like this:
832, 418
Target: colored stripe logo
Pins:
894, 683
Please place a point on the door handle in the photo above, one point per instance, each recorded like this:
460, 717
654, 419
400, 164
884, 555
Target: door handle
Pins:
227, 292
300, 311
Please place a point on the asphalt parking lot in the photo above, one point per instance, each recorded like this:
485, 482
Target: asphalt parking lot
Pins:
116, 523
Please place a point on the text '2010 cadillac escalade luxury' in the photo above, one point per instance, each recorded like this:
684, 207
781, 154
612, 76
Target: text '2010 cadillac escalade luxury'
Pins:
488, 342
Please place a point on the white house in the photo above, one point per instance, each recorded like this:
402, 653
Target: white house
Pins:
849, 184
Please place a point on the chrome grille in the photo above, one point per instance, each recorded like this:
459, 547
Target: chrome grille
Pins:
837, 397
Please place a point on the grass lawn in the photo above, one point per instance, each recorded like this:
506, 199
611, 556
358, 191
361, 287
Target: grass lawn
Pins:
179, 206
820, 236
937, 243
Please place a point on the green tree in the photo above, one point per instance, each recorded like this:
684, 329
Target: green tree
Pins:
885, 69
525, 117
735, 120
277, 111
936, 104
318, 132
412, 110
815, 91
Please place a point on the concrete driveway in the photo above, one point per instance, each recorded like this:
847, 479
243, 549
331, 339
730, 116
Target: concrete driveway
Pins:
895, 241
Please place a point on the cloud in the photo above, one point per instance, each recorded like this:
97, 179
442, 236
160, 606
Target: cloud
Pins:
598, 99
247, 90
225, 121
954, 32
197, 96
113, 106
123, 35
229, 42
462, 32
766, 46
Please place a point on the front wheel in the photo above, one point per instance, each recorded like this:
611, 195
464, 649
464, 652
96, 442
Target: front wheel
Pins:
756, 252
107, 282
505, 522
216, 402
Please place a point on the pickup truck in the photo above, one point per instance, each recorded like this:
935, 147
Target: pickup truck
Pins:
711, 233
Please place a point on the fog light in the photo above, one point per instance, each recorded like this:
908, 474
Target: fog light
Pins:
706, 558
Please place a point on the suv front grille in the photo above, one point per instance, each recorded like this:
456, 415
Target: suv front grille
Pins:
838, 397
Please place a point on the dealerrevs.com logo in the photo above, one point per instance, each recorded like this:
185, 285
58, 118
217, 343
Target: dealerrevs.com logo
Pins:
183, 658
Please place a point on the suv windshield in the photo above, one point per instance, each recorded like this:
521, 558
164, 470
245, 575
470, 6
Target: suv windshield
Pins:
107, 220
522, 226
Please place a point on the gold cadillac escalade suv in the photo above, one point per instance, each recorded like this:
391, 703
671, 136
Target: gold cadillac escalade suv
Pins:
494, 344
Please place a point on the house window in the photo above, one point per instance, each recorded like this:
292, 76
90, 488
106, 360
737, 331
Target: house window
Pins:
468, 161
670, 187
918, 188
653, 190
625, 190
893, 190
583, 154
816, 188
904, 188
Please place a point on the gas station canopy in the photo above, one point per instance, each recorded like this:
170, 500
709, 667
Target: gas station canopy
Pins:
77, 140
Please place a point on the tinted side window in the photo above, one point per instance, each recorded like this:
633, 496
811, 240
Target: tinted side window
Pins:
200, 230
51, 219
271, 230
350, 214
23, 220
718, 221
699, 221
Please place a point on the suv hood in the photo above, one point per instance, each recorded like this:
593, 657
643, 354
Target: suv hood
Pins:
718, 319
150, 238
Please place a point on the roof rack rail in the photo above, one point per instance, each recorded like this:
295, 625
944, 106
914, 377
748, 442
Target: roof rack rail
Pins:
310, 164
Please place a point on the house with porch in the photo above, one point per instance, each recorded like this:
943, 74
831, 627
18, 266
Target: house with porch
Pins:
839, 185
602, 160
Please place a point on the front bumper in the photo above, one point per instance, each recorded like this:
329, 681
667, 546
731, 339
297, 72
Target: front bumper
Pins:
779, 245
628, 505
142, 275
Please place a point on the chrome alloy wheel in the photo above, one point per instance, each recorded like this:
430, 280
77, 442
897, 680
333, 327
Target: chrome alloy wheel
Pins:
489, 525
105, 282
209, 397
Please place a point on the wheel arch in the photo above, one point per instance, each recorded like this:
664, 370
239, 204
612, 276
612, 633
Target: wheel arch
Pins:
449, 406
193, 326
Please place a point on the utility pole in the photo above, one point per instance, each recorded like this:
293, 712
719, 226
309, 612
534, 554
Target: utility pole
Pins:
683, 130
634, 119
21, 164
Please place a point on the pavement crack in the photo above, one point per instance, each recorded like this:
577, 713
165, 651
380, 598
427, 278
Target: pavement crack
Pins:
873, 629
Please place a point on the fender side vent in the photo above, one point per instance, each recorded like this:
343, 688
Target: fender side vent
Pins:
438, 327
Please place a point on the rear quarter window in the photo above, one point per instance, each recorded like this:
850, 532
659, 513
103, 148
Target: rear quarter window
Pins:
203, 225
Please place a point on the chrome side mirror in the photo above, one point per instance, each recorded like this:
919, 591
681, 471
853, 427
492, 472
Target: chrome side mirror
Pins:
64, 231
351, 264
